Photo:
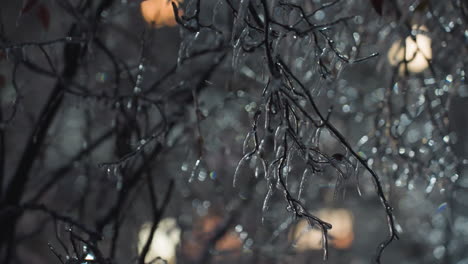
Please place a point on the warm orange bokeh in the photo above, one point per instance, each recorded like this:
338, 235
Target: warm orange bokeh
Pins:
341, 235
416, 50
159, 13
201, 233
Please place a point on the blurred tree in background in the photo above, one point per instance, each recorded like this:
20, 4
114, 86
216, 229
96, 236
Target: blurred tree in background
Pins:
222, 131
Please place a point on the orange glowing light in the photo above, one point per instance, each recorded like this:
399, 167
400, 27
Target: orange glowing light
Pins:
159, 13
203, 230
341, 236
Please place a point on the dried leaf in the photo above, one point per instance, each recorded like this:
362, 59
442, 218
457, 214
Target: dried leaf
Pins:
28, 5
377, 4
44, 16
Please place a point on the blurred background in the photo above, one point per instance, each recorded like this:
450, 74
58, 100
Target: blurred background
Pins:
205, 131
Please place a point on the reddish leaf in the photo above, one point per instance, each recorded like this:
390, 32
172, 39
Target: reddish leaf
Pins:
377, 4
2, 55
44, 16
28, 5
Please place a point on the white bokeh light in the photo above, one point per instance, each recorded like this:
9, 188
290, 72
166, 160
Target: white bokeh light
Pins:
417, 53
165, 240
